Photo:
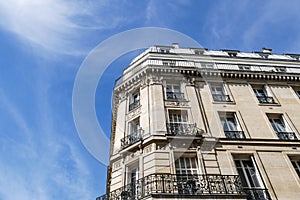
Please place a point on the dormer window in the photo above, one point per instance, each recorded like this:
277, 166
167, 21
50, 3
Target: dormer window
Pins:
164, 50
245, 67
207, 65
280, 69
169, 62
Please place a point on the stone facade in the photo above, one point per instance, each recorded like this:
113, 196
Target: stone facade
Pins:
196, 123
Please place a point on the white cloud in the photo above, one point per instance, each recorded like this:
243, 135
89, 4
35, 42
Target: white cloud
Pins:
55, 25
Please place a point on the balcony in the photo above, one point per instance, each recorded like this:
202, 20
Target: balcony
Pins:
134, 105
257, 194
265, 99
221, 98
287, 136
130, 139
180, 185
182, 129
234, 134
175, 95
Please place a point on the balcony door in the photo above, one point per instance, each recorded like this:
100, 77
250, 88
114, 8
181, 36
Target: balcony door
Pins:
187, 173
131, 191
178, 123
251, 179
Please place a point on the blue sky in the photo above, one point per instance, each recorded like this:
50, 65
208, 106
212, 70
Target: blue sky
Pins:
42, 45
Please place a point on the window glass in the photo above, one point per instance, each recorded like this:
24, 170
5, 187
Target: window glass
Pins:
296, 165
249, 174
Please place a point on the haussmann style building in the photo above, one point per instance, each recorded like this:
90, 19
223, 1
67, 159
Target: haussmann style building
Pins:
193, 123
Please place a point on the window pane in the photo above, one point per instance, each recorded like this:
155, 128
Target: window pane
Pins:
296, 165
177, 116
259, 92
217, 90
249, 176
231, 124
278, 124
187, 165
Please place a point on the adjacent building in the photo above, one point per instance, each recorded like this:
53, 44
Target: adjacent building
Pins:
193, 123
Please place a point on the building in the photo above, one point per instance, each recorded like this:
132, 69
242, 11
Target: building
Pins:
197, 123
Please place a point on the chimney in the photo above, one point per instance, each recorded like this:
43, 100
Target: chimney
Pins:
267, 50
175, 45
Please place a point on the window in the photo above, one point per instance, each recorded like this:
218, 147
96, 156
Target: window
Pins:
186, 165
164, 50
173, 91
207, 65
169, 62
280, 69
251, 179
219, 93
298, 93
134, 101
178, 116
186, 173
245, 67
231, 126
134, 133
263, 95
296, 165
178, 124
281, 127
132, 187
134, 126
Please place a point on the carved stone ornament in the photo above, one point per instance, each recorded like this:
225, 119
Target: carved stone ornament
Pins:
176, 103
132, 114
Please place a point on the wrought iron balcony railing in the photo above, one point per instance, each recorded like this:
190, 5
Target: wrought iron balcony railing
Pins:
175, 95
221, 98
134, 105
257, 194
234, 134
265, 99
130, 139
182, 129
178, 184
287, 136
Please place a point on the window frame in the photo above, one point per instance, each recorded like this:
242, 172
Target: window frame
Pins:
181, 116
296, 166
174, 91
281, 126
191, 165
134, 100
134, 126
263, 94
232, 126
246, 176
219, 92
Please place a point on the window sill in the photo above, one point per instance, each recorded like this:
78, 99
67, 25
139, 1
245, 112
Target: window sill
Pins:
269, 104
224, 102
134, 109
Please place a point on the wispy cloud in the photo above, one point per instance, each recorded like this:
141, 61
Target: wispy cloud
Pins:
278, 17
249, 25
55, 25
37, 165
